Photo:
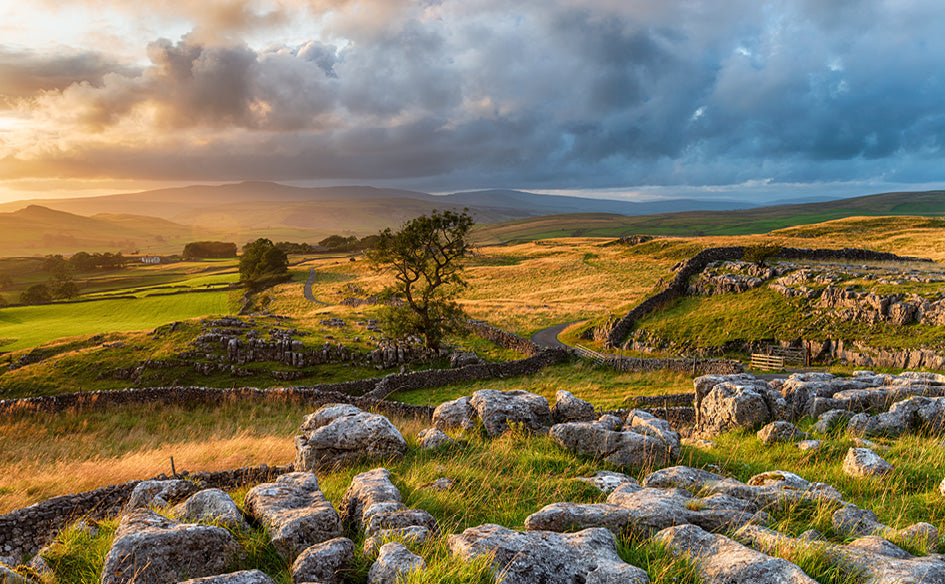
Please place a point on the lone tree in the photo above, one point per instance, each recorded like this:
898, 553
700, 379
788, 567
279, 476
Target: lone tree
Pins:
263, 264
425, 259
760, 253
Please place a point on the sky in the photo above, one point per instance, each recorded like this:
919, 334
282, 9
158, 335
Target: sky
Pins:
621, 98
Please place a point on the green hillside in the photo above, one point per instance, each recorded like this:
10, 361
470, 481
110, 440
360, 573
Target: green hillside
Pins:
699, 223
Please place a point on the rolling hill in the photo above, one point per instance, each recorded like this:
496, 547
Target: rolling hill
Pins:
733, 222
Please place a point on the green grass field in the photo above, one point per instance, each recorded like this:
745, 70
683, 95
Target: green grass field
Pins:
27, 326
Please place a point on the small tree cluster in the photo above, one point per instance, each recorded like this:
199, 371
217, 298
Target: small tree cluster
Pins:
88, 262
351, 243
263, 264
424, 257
209, 249
760, 253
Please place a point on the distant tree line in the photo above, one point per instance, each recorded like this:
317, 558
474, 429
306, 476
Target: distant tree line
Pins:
209, 249
352, 243
84, 262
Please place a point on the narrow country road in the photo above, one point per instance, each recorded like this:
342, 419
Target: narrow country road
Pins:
307, 290
549, 337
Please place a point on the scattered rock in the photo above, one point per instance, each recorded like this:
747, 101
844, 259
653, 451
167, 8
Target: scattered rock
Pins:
244, 577
569, 408
780, 431
851, 520
413, 534
732, 404
295, 511
863, 462
720, 559
394, 561
607, 481
335, 435
159, 493
8, 576
325, 562
370, 492
440, 484
152, 549
463, 358
832, 420
654, 509
562, 517
809, 445
550, 558
497, 409
624, 448
433, 438
211, 505
457, 414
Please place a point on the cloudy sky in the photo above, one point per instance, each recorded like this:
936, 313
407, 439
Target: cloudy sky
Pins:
706, 98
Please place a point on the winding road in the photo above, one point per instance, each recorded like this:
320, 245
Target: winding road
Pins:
549, 337
307, 290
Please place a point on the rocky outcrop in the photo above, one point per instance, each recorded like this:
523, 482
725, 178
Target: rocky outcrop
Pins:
606, 481
159, 493
730, 402
780, 431
373, 503
569, 408
457, 414
910, 415
394, 562
643, 440
151, 549
211, 506
325, 562
500, 409
432, 438
295, 512
243, 577
720, 559
337, 434
551, 558
863, 462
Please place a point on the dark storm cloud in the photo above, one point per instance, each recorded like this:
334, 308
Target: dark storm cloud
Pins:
26, 73
582, 94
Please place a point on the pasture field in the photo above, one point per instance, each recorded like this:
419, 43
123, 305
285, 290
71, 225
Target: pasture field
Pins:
22, 327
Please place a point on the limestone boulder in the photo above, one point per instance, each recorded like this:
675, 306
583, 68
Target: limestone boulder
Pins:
371, 492
498, 409
295, 512
729, 406
832, 420
242, 577
654, 509
569, 408
336, 435
563, 517
151, 549
432, 438
412, 534
606, 481
623, 448
159, 493
8, 576
394, 562
720, 559
211, 506
457, 414
863, 462
325, 563
550, 558
780, 431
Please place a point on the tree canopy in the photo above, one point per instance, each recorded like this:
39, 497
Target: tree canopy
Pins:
263, 264
424, 257
209, 249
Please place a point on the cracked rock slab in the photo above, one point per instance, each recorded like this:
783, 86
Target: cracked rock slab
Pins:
325, 563
588, 556
394, 561
863, 462
295, 511
151, 549
243, 577
498, 409
335, 435
720, 559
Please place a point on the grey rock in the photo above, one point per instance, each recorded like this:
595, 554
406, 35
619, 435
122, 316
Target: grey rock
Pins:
550, 558
647, 424
851, 520
569, 408
463, 358
457, 414
729, 406
433, 438
831, 420
412, 534
399, 519
39, 565
562, 517
922, 535
780, 431
211, 505
242, 577
863, 462
497, 409
682, 477
295, 511
346, 437
606, 481
440, 484
370, 492
809, 445
654, 509
720, 559
394, 561
627, 448
151, 549
325, 562
8, 576
326, 415
159, 493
